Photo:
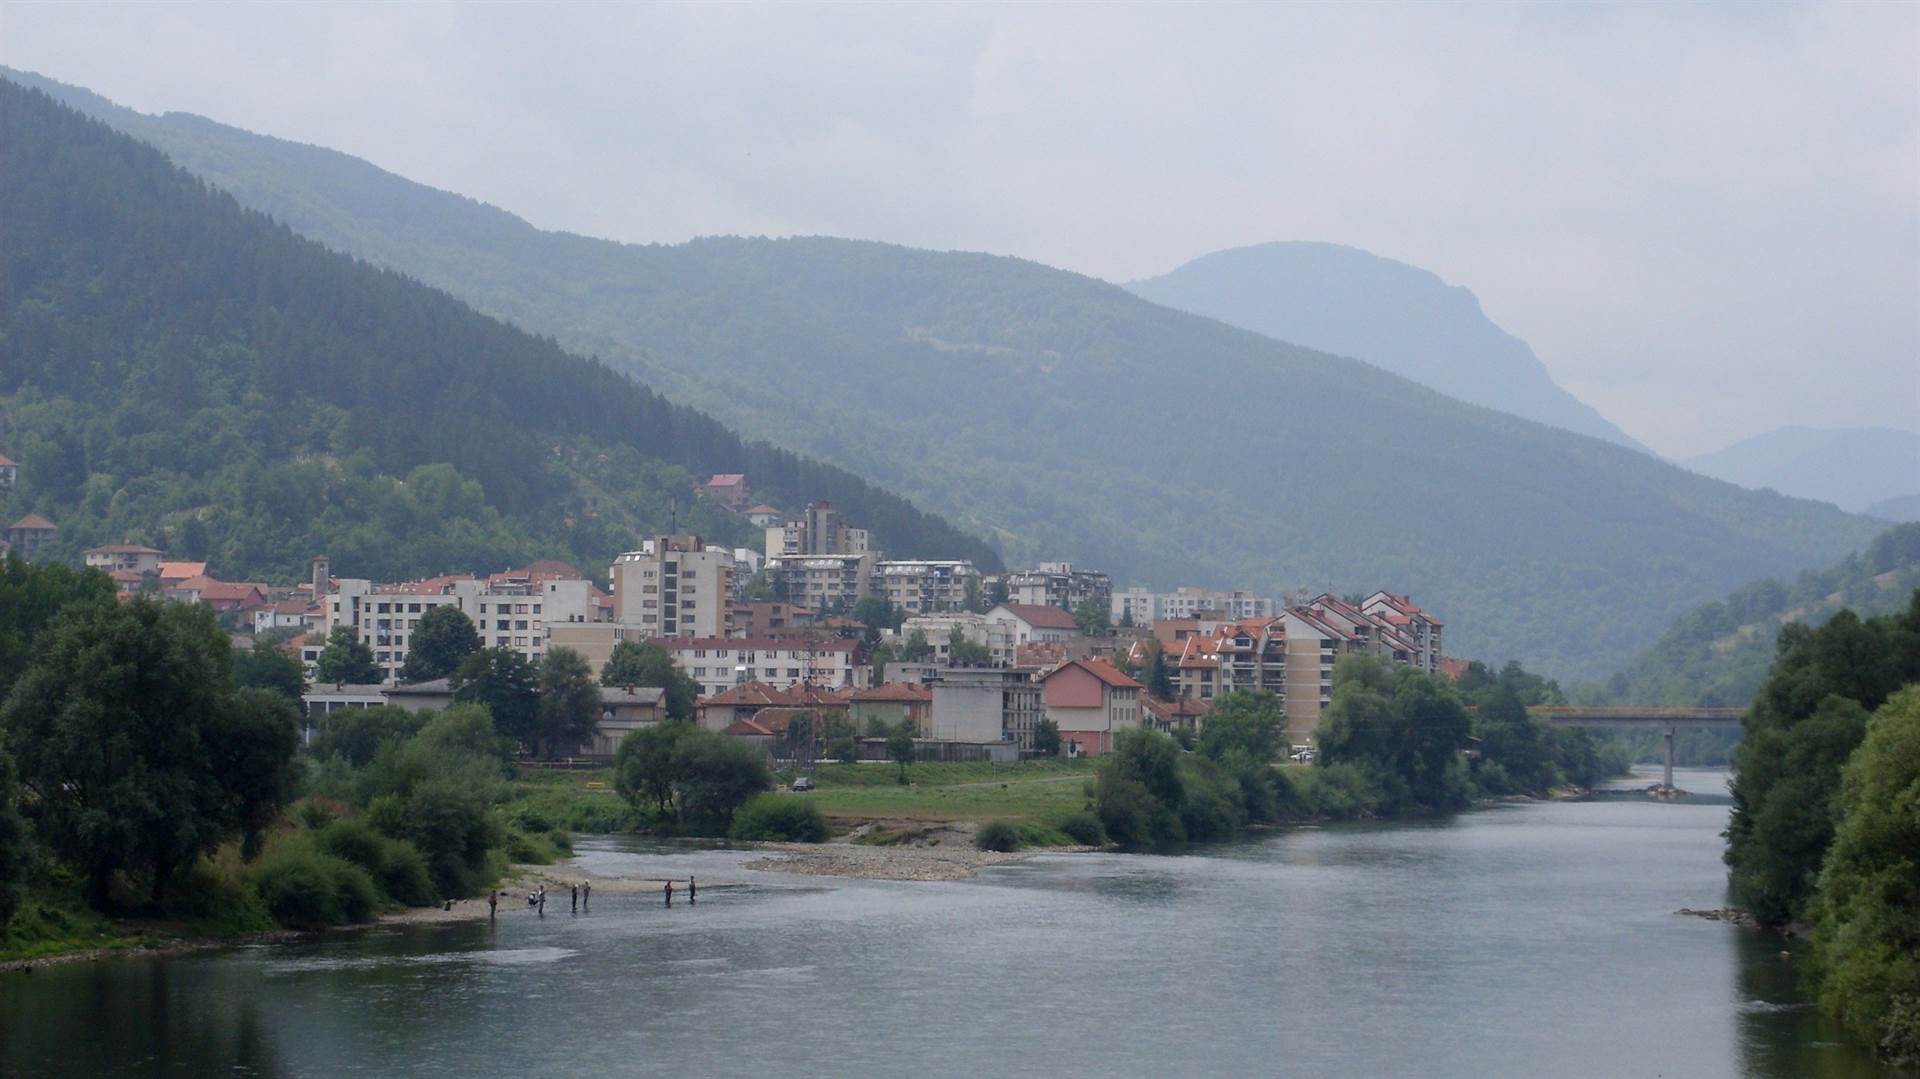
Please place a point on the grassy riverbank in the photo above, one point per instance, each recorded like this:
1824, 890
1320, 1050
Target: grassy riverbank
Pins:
1041, 793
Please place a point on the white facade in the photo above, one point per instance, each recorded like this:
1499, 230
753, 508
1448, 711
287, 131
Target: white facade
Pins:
919, 586
674, 586
511, 616
1144, 606
1058, 584
997, 637
823, 582
720, 663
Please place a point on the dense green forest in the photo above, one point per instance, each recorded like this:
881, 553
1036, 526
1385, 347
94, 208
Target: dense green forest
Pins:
1718, 655
1825, 824
1063, 417
180, 371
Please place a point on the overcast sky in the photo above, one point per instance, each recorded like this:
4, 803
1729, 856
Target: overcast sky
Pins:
1706, 220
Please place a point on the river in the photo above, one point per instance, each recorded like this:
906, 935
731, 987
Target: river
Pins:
1525, 940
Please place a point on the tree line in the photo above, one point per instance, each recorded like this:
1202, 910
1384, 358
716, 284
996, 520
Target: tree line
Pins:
1826, 815
1393, 741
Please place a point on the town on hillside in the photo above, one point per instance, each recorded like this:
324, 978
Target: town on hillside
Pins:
821, 626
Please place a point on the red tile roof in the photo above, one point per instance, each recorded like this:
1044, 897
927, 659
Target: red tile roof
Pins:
170, 571
1041, 617
727, 479
763, 508
5, 461
904, 692
33, 521
1101, 669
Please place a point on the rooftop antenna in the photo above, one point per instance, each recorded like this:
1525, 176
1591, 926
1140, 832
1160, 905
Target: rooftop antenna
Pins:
673, 516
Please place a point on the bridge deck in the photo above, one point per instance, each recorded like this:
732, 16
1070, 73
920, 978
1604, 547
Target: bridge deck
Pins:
1634, 716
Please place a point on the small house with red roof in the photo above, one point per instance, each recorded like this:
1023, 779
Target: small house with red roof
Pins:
765, 516
1030, 622
892, 704
728, 489
123, 556
1091, 701
28, 534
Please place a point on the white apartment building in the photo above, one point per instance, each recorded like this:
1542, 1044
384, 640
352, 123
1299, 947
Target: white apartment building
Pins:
1141, 606
1058, 584
826, 582
508, 612
819, 530
720, 663
998, 637
920, 586
674, 586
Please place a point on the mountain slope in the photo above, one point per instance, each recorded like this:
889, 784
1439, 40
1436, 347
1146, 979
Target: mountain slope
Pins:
172, 366
1395, 316
1904, 508
1851, 467
1718, 655
1067, 418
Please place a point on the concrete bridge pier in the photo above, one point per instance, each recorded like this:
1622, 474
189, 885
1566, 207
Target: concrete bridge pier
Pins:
1669, 772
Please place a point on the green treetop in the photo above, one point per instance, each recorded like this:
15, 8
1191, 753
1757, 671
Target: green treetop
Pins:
346, 660
444, 637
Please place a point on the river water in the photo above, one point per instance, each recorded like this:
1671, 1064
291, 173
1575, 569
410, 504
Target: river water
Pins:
1527, 940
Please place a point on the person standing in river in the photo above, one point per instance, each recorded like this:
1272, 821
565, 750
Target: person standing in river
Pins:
667, 887
493, 904
574, 889
692, 890
586, 891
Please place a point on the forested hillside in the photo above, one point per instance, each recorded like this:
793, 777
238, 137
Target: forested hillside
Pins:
177, 370
1718, 655
1066, 418
1333, 298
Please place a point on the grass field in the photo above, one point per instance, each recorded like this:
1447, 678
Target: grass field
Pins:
1038, 792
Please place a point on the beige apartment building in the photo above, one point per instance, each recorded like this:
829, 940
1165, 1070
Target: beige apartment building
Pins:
674, 586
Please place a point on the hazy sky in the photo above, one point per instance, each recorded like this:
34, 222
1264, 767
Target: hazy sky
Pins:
1706, 220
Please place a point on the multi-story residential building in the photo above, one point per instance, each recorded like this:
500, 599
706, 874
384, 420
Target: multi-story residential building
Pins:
1058, 584
985, 704
995, 636
819, 530
510, 611
920, 586
1139, 606
1421, 628
674, 586
130, 557
1091, 701
771, 619
825, 582
719, 663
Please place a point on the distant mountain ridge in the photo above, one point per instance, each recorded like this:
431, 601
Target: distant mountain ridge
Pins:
1063, 417
1395, 316
1852, 467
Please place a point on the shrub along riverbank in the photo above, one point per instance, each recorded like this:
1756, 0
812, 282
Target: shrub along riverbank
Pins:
1393, 742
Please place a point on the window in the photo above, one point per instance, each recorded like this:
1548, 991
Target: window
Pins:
699, 672
701, 653
793, 672
536, 608
770, 673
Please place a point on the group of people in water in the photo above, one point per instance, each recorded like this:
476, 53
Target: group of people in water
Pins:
580, 894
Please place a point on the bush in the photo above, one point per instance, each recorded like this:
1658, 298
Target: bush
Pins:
1084, 829
305, 889
395, 865
779, 818
997, 835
